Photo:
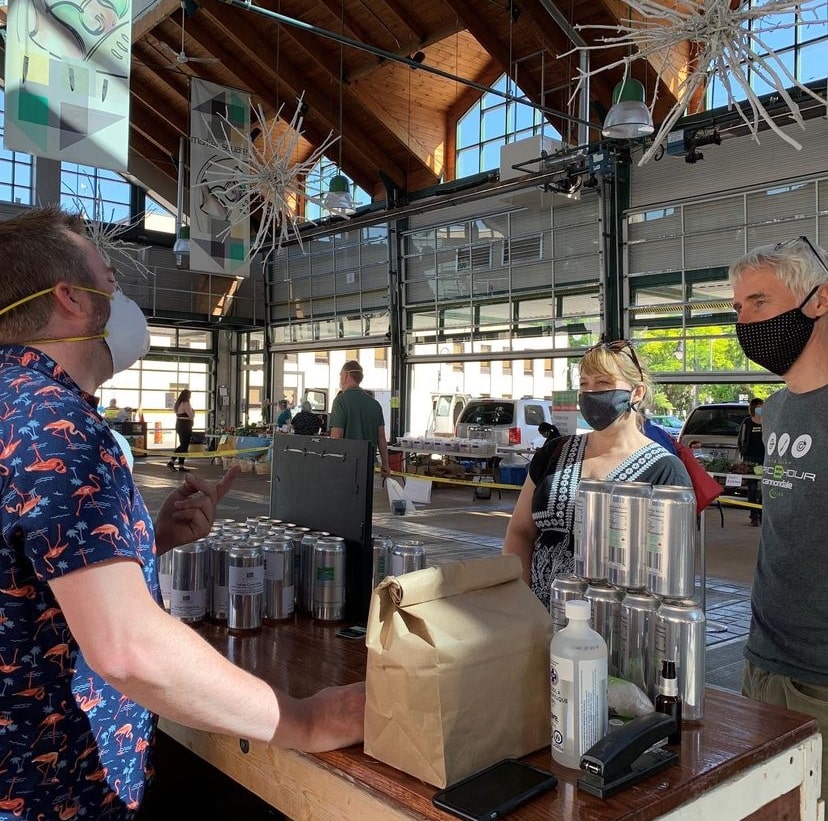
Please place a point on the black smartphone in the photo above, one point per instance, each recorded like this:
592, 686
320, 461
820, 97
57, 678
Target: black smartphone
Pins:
355, 632
495, 791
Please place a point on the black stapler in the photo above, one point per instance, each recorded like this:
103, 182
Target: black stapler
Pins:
623, 756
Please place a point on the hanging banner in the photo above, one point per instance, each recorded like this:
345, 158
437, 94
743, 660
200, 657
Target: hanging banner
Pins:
67, 81
219, 217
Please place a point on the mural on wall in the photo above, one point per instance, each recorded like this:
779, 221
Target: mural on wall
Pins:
219, 227
730, 41
67, 80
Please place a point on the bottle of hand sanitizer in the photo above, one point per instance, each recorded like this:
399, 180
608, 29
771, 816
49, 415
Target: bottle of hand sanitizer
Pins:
579, 686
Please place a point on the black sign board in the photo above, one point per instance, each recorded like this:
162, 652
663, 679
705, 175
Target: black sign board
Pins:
328, 484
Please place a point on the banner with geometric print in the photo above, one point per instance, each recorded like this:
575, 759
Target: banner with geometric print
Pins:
67, 80
219, 227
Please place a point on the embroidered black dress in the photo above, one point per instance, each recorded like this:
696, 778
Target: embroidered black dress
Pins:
556, 470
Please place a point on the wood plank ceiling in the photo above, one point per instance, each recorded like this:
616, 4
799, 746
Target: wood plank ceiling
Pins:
398, 122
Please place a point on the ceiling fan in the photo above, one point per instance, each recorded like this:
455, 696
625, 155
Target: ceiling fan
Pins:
182, 57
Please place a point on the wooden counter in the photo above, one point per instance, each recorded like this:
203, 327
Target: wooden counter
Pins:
745, 760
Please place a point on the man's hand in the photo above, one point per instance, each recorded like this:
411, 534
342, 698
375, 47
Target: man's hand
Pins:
188, 512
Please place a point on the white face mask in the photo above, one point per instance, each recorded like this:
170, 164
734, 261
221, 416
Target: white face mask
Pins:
126, 333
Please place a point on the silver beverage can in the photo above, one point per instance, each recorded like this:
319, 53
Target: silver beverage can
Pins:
591, 523
407, 555
217, 607
188, 590
563, 589
304, 596
245, 587
628, 512
329, 578
671, 542
605, 604
279, 596
165, 577
218, 574
636, 651
381, 563
680, 635
296, 534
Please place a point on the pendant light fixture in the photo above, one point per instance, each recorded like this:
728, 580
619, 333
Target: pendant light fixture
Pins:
629, 116
338, 200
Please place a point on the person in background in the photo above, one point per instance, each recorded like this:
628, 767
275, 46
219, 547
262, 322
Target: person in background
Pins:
752, 451
284, 414
113, 411
780, 294
355, 414
614, 392
184, 416
90, 656
655, 432
548, 431
305, 422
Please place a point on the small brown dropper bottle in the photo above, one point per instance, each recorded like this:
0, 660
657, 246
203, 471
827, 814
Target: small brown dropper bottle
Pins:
668, 700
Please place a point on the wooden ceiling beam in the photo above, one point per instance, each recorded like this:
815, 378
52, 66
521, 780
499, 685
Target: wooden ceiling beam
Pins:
361, 149
409, 48
155, 14
369, 143
165, 141
406, 17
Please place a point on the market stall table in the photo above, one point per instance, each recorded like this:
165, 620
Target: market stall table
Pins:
744, 758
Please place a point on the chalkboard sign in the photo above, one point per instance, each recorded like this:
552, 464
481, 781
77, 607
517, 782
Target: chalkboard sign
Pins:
328, 484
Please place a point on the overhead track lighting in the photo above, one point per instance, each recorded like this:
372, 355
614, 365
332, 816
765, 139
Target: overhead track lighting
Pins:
629, 116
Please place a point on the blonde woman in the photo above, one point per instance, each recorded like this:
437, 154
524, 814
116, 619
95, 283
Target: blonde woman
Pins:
614, 391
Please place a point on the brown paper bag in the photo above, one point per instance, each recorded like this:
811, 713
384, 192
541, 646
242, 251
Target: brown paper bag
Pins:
458, 669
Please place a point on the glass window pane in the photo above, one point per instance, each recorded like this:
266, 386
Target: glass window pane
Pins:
468, 128
468, 162
494, 122
768, 31
490, 155
813, 59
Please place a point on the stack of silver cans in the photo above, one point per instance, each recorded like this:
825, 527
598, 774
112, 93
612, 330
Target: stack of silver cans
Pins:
634, 547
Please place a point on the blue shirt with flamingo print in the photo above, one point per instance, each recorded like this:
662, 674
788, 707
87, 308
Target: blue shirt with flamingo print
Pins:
70, 744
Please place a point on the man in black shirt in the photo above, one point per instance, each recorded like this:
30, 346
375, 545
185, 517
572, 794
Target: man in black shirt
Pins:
752, 450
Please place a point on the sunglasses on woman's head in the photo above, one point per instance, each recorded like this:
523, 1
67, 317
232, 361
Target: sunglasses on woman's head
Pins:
622, 346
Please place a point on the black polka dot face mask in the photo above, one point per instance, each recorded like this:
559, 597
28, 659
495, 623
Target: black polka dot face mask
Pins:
777, 343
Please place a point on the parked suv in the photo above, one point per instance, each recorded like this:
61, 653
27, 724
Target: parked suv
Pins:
716, 428
511, 421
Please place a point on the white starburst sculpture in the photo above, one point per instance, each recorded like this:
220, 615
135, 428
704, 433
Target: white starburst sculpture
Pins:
271, 183
106, 235
729, 40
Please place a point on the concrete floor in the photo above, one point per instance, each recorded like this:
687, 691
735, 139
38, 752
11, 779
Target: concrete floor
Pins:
455, 524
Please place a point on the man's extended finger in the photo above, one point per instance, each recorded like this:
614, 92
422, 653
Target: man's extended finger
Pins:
227, 480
